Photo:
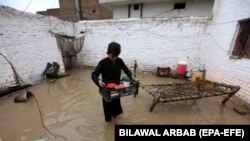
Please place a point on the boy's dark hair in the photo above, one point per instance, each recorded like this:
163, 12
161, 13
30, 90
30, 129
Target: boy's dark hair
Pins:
114, 48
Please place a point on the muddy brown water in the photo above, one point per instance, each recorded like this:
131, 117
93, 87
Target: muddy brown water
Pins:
72, 110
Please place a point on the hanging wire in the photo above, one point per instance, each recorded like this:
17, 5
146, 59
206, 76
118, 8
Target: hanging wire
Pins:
214, 24
216, 42
223, 23
164, 12
29, 4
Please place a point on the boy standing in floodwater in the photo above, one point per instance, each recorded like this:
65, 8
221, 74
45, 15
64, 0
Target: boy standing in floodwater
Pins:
110, 69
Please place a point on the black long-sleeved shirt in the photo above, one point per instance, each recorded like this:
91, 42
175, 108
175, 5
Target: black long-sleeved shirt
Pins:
110, 72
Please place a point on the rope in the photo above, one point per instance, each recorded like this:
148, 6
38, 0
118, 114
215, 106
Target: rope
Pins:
18, 81
42, 118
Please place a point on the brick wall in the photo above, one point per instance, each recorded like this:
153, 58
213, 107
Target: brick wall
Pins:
218, 43
26, 41
152, 42
159, 42
91, 10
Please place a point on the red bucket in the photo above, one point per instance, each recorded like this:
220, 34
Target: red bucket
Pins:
181, 68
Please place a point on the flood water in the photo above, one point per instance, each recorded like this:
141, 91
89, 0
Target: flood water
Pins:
72, 110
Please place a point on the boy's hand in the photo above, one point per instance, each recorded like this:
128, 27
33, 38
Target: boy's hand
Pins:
136, 80
101, 83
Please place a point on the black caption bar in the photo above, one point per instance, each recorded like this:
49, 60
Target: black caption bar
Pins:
194, 132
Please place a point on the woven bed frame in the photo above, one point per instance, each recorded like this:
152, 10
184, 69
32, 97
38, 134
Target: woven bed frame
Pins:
186, 91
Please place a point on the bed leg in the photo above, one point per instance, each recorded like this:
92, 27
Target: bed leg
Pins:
223, 101
229, 96
155, 101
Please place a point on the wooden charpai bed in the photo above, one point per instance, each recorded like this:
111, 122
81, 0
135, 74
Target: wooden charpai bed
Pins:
186, 91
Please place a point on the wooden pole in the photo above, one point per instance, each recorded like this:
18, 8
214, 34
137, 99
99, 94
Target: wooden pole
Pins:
135, 67
155, 101
230, 95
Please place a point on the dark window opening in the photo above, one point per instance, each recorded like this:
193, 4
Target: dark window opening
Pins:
136, 7
242, 43
94, 11
179, 5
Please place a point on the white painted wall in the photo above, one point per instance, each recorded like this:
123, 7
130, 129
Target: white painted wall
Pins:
165, 9
218, 42
26, 42
152, 42
159, 42
120, 12
135, 13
